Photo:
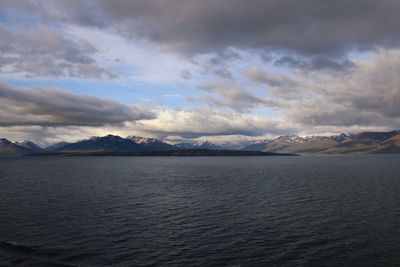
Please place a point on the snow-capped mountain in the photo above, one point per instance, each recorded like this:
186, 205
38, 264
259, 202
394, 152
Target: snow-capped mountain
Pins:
258, 145
151, 143
288, 139
142, 140
12, 149
29, 145
200, 145
342, 137
103, 143
365, 142
113, 143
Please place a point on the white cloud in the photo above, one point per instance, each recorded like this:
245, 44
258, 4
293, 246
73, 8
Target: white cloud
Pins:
206, 122
365, 96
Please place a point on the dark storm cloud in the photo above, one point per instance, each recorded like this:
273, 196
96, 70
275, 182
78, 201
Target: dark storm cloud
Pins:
306, 27
50, 107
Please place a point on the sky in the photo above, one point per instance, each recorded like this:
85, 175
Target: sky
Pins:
178, 70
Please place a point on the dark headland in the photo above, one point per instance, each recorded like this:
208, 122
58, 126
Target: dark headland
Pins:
167, 153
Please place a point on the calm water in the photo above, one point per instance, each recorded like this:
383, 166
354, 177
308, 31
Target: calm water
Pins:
208, 211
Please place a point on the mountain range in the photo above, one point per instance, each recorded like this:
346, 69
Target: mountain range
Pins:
365, 142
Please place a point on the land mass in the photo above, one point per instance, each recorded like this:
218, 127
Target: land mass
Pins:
112, 145
173, 153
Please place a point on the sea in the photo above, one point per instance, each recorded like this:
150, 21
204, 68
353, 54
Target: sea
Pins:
330, 210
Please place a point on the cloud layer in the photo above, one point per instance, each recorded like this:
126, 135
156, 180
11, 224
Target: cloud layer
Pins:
304, 27
239, 68
51, 107
43, 52
368, 95
205, 122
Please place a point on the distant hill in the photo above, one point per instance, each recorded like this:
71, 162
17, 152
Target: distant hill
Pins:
390, 145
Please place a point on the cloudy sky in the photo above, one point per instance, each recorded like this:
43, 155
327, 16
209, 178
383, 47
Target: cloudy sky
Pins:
221, 70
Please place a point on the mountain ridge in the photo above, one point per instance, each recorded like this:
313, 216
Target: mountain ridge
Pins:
8, 148
364, 142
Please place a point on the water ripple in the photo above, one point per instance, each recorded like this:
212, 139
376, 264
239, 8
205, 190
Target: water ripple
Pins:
281, 211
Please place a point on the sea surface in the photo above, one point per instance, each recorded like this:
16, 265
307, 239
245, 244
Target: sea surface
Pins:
200, 211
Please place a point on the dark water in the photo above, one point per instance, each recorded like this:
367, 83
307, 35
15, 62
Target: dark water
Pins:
188, 211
